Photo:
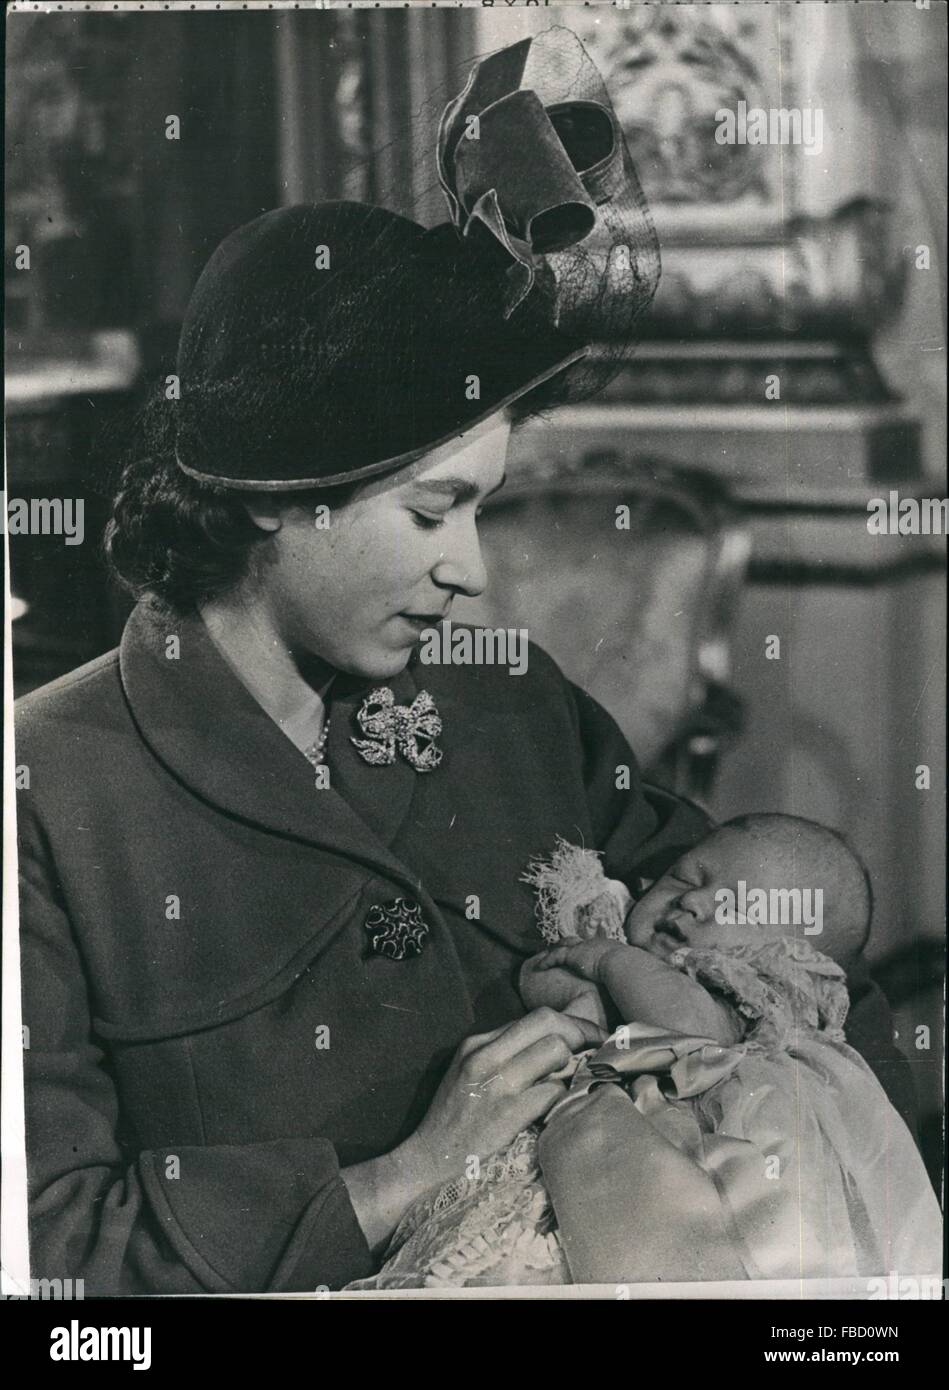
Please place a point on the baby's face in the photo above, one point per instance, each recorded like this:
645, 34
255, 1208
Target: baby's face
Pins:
681, 908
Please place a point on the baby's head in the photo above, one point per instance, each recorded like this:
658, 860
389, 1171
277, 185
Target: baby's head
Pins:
753, 880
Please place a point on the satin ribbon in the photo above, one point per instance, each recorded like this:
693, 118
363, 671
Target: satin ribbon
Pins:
639, 1054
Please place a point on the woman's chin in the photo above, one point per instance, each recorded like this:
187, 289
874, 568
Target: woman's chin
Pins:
377, 665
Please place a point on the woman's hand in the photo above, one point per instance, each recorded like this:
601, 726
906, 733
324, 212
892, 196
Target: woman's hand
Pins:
496, 1085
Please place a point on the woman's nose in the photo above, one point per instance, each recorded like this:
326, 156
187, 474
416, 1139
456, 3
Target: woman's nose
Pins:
461, 566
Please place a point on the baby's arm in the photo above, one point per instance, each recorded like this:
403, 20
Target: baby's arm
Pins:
645, 989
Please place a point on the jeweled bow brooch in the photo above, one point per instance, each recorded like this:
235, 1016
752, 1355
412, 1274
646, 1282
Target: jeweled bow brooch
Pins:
412, 729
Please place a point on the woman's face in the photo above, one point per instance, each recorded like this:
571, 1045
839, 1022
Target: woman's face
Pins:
358, 591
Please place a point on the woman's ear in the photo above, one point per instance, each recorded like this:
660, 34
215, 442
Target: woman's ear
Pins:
265, 510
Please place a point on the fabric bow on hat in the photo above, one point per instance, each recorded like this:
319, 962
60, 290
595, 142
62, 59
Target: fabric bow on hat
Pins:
531, 174
412, 729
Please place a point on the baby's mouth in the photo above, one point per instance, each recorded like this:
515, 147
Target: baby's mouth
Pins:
670, 934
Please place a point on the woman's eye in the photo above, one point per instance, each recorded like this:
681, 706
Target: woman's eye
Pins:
425, 522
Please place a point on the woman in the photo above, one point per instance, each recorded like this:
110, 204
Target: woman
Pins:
271, 909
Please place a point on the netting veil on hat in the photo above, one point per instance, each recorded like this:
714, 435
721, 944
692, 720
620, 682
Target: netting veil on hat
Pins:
332, 342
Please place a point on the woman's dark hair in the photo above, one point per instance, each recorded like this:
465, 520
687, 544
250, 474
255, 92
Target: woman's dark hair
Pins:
173, 538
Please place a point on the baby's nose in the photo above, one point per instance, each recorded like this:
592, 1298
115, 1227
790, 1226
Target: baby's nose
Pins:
693, 902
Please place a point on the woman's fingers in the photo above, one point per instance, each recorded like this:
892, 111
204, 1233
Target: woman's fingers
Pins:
498, 1084
533, 1104
476, 1041
580, 1032
492, 1057
534, 1063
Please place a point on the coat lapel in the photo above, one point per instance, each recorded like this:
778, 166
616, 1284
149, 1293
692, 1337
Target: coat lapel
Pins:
382, 796
206, 728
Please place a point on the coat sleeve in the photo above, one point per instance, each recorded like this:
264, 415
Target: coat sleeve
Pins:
257, 1217
869, 1030
641, 829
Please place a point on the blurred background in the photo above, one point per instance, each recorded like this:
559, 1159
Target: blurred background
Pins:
823, 269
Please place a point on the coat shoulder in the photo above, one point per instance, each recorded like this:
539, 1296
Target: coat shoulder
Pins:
88, 698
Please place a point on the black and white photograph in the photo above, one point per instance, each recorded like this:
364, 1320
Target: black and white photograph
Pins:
475, 758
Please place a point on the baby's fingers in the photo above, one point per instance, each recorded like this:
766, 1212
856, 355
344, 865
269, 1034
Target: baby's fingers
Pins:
580, 957
554, 955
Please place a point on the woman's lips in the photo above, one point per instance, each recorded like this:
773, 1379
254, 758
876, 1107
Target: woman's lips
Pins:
423, 620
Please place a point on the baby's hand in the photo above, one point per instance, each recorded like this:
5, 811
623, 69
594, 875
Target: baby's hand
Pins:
586, 959
543, 984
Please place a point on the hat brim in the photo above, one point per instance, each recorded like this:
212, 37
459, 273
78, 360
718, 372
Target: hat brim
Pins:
396, 461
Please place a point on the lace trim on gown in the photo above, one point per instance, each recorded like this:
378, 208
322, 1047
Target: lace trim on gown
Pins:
776, 989
494, 1229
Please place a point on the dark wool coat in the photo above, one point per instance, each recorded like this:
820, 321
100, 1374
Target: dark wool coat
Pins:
193, 930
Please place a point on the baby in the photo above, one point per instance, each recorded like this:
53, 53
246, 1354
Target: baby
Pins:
725, 1130
759, 880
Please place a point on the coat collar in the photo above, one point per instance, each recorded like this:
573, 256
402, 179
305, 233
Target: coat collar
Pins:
206, 728
382, 796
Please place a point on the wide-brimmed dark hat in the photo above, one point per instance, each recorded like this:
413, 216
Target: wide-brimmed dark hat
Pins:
328, 343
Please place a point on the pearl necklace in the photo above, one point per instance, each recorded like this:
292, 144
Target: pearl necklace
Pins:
314, 754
